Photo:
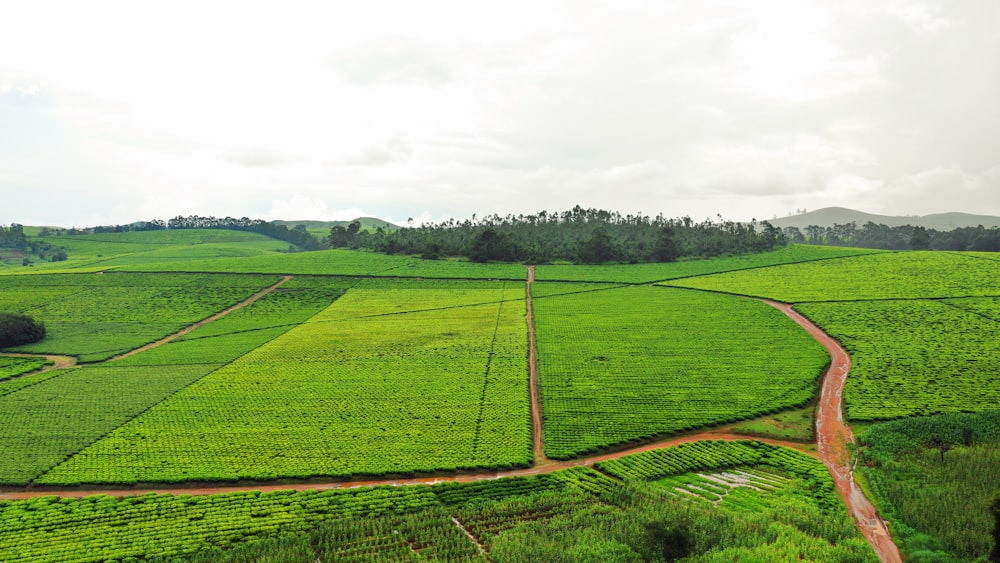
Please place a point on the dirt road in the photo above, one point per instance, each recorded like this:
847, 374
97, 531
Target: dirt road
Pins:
833, 436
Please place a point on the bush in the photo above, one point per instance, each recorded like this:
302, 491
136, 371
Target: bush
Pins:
19, 329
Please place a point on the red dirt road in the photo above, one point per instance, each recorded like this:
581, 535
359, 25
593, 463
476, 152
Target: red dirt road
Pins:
833, 436
537, 441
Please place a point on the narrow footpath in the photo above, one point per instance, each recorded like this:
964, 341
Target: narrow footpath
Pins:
537, 440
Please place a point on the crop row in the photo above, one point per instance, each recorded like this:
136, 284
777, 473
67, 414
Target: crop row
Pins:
915, 357
13, 367
442, 386
635, 362
908, 275
646, 273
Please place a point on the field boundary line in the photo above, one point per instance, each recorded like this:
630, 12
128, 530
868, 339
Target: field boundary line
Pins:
203, 322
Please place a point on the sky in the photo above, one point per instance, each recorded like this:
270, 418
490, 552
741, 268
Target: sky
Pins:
114, 112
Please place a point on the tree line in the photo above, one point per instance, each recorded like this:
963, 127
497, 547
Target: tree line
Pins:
298, 237
578, 235
906, 237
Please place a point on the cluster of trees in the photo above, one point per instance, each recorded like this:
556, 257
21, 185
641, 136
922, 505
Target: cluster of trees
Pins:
579, 235
19, 329
13, 238
906, 237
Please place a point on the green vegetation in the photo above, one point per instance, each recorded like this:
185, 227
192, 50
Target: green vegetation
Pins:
442, 387
934, 479
100, 398
914, 357
565, 516
637, 362
647, 273
794, 425
16, 330
343, 263
97, 317
908, 275
13, 367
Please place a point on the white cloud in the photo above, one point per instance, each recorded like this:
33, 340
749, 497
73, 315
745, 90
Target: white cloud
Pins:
305, 208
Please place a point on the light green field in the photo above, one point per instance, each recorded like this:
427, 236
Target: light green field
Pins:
903, 275
636, 362
344, 263
647, 273
108, 250
416, 376
915, 357
97, 316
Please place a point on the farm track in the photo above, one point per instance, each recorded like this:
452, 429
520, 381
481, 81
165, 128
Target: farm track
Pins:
203, 322
833, 437
537, 441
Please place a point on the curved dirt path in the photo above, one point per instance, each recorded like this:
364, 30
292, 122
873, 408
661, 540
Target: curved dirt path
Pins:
203, 322
537, 440
58, 362
833, 436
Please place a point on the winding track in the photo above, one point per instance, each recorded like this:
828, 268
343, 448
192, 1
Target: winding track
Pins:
832, 437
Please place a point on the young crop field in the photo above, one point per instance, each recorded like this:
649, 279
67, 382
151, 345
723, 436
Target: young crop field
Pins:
904, 275
636, 362
97, 316
915, 357
515, 519
343, 263
648, 273
417, 377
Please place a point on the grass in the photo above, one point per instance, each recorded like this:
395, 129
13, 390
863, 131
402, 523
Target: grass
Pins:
795, 425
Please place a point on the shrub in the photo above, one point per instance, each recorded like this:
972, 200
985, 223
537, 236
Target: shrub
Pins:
19, 329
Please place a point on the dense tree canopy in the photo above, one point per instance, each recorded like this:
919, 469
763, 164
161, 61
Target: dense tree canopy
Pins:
579, 235
19, 329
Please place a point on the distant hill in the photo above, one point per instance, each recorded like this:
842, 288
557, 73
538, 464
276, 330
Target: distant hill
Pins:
829, 216
367, 223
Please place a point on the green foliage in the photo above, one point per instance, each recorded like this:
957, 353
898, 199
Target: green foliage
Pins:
442, 387
913, 357
939, 508
908, 275
16, 330
636, 362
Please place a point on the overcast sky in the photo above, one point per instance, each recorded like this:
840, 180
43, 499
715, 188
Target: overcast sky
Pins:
112, 112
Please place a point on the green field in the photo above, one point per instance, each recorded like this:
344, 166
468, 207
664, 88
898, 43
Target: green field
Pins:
648, 273
574, 510
636, 362
97, 316
938, 503
365, 366
392, 378
902, 275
